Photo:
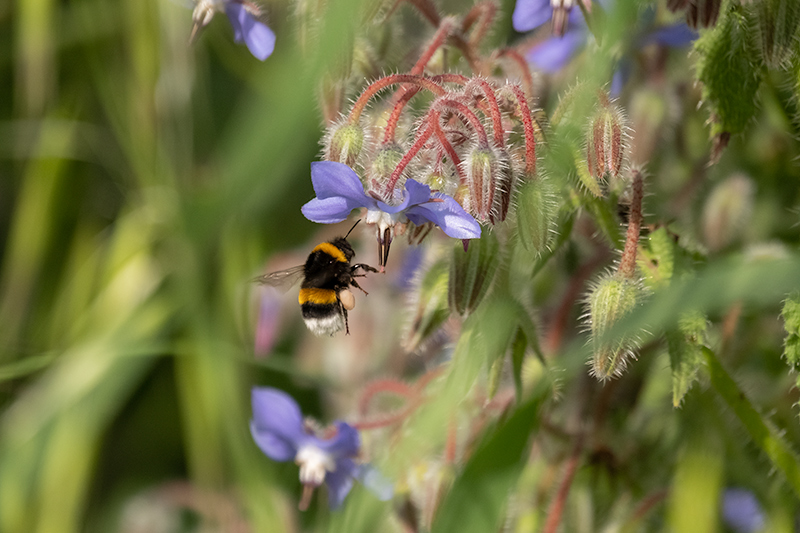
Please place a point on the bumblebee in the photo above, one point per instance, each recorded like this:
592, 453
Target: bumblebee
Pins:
327, 274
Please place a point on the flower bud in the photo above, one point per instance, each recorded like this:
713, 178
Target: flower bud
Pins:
727, 211
482, 169
607, 144
344, 143
536, 215
429, 307
383, 164
502, 189
778, 21
610, 300
472, 272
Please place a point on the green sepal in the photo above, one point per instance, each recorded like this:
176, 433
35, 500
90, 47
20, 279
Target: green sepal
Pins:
430, 309
472, 272
536, 215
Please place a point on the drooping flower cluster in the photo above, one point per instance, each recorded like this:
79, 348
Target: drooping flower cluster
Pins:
455, 168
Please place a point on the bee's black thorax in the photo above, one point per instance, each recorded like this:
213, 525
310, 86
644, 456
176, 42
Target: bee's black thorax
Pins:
324, 271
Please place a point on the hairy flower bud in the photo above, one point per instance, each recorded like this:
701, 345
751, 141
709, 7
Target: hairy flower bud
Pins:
536, 215
607, 141
483, 174
502, 189
383, 164
727, 211
472, 272
344, 143
610, 300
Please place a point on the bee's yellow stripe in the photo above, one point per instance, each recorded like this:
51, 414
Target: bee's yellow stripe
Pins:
331, 250
317, 296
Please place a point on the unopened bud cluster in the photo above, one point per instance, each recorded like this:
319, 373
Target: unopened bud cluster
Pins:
607, 141
462, 145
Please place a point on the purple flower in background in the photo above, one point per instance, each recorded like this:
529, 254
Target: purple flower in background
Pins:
278, 429
530, 14
244, 17
741, 511
339, 191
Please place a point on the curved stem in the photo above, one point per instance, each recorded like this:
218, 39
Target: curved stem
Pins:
522, 66
393, 79
401, 166
530, 134
466, 112
494, 109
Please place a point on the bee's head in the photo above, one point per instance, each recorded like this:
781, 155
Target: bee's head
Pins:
342, 244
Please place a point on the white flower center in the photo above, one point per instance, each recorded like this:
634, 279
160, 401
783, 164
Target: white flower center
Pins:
314, 464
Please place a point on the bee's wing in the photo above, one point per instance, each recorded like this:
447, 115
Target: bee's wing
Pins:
282, 278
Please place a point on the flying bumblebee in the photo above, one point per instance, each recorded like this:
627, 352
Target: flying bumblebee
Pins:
327, 274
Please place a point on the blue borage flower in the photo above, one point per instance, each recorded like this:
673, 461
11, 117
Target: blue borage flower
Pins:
553, 53
244, 18
279, 430
741, 511
339, 191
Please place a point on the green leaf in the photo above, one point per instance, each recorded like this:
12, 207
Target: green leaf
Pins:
729, 68
685, 347
791, 321
764, 435
479, 495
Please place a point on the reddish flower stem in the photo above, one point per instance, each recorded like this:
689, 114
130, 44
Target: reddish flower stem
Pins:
556, 508
406, 96
483, 14
392, 79
439, 38
446, 145
401, 166
464, 111
494, 109
383, 386
522, 65
527, 124
627, 265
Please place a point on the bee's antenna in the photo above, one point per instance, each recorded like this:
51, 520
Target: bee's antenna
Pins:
351, 229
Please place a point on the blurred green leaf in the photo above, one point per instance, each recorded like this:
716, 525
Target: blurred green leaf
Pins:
480, 493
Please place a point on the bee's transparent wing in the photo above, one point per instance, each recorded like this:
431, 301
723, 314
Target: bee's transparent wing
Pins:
282, 278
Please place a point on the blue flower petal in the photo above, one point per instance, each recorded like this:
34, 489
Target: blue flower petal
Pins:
530, 14
414, 193
260, 40
340, 482
346, 442
554, 53
446, 213
377, 483
741, 511
339, 191
331, 179
277, 424
329, 210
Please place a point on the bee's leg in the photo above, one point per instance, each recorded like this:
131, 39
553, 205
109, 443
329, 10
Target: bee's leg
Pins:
355, 284
346, 324
362, 266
